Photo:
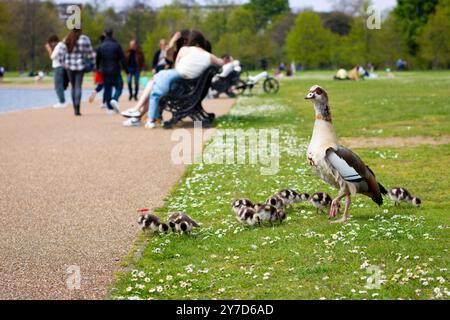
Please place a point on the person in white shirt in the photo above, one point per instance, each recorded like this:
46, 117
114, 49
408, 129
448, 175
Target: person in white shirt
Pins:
190, 63
229, 66
53, 47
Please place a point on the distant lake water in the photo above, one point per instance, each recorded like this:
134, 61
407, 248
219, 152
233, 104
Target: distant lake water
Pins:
13, 99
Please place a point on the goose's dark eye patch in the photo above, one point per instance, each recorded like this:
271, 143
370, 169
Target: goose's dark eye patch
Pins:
319, 91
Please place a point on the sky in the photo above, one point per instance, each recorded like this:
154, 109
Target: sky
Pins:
316, 5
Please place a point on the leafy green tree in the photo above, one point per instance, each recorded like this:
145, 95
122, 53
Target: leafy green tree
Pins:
92, 23
169, 19
276, 34
34, 22
214, 24
356, 46
414, 15
241, 19
388, 43
243, 46
8, 52
337, 22
434, 40
139, 21
265, 10
308, 42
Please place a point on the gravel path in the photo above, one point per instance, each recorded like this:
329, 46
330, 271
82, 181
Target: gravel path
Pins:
69, 188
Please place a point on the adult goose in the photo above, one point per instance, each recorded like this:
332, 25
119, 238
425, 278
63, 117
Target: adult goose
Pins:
336, 165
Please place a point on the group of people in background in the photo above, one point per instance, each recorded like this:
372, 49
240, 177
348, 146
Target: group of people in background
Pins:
74, 56
186, 56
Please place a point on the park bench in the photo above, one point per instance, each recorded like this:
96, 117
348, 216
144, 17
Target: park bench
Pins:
185, 99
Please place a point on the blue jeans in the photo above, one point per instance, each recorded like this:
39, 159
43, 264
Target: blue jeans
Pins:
161, 86
58, 76
76, 81
133, 73
110, 82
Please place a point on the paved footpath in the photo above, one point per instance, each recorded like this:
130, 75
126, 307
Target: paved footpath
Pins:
69, 188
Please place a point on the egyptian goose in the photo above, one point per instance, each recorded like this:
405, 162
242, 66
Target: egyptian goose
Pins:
248, 216
321, 201
401, 194
336, 165
152, 222
240, 203
290, 196
181, 222
270, 213
277, 201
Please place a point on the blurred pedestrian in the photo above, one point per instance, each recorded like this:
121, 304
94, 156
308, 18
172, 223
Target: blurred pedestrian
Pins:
79, 58
110, 62
60, 78
135, 63
159, 59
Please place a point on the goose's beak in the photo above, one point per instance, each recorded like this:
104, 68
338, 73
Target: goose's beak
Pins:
309, 96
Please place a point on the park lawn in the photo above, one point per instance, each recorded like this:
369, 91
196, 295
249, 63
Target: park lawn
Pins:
306, 257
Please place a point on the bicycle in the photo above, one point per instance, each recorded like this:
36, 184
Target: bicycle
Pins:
270, 84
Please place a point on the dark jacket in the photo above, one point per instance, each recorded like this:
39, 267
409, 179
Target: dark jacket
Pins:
140, 59
110, 58
156, 59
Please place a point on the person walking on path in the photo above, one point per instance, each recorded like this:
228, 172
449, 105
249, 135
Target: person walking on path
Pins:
135, 63
98, 81
110, 62
159, 59
78, 57
54, 46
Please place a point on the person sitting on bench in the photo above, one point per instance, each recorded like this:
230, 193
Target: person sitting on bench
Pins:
190, 63
139, 112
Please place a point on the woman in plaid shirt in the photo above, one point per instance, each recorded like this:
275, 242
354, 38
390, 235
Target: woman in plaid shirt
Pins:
77, 58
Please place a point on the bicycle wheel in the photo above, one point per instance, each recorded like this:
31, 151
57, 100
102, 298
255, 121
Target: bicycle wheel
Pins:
271, 85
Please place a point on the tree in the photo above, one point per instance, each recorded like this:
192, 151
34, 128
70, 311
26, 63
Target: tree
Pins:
215, 24
337, 22
265, 10
240, 19
308, 42
434, 40
275, 36
92, 23
240, 38
414, 15
388, 43
169, 19
139, 21
34, 22
8, 52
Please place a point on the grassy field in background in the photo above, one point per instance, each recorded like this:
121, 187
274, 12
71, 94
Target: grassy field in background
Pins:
306, 257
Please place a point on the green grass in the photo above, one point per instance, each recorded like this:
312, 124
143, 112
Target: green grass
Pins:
306, 257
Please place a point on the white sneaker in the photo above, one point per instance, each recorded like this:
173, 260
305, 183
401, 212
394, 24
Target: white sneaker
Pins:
59, 105
132, 122
103, 106
150, 125
115, 105
110, 112
131, 113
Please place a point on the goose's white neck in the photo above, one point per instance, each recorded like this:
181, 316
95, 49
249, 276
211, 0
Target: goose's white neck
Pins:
324, 135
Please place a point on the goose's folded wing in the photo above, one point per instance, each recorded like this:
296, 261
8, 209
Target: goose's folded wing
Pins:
347, 163
351, 167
